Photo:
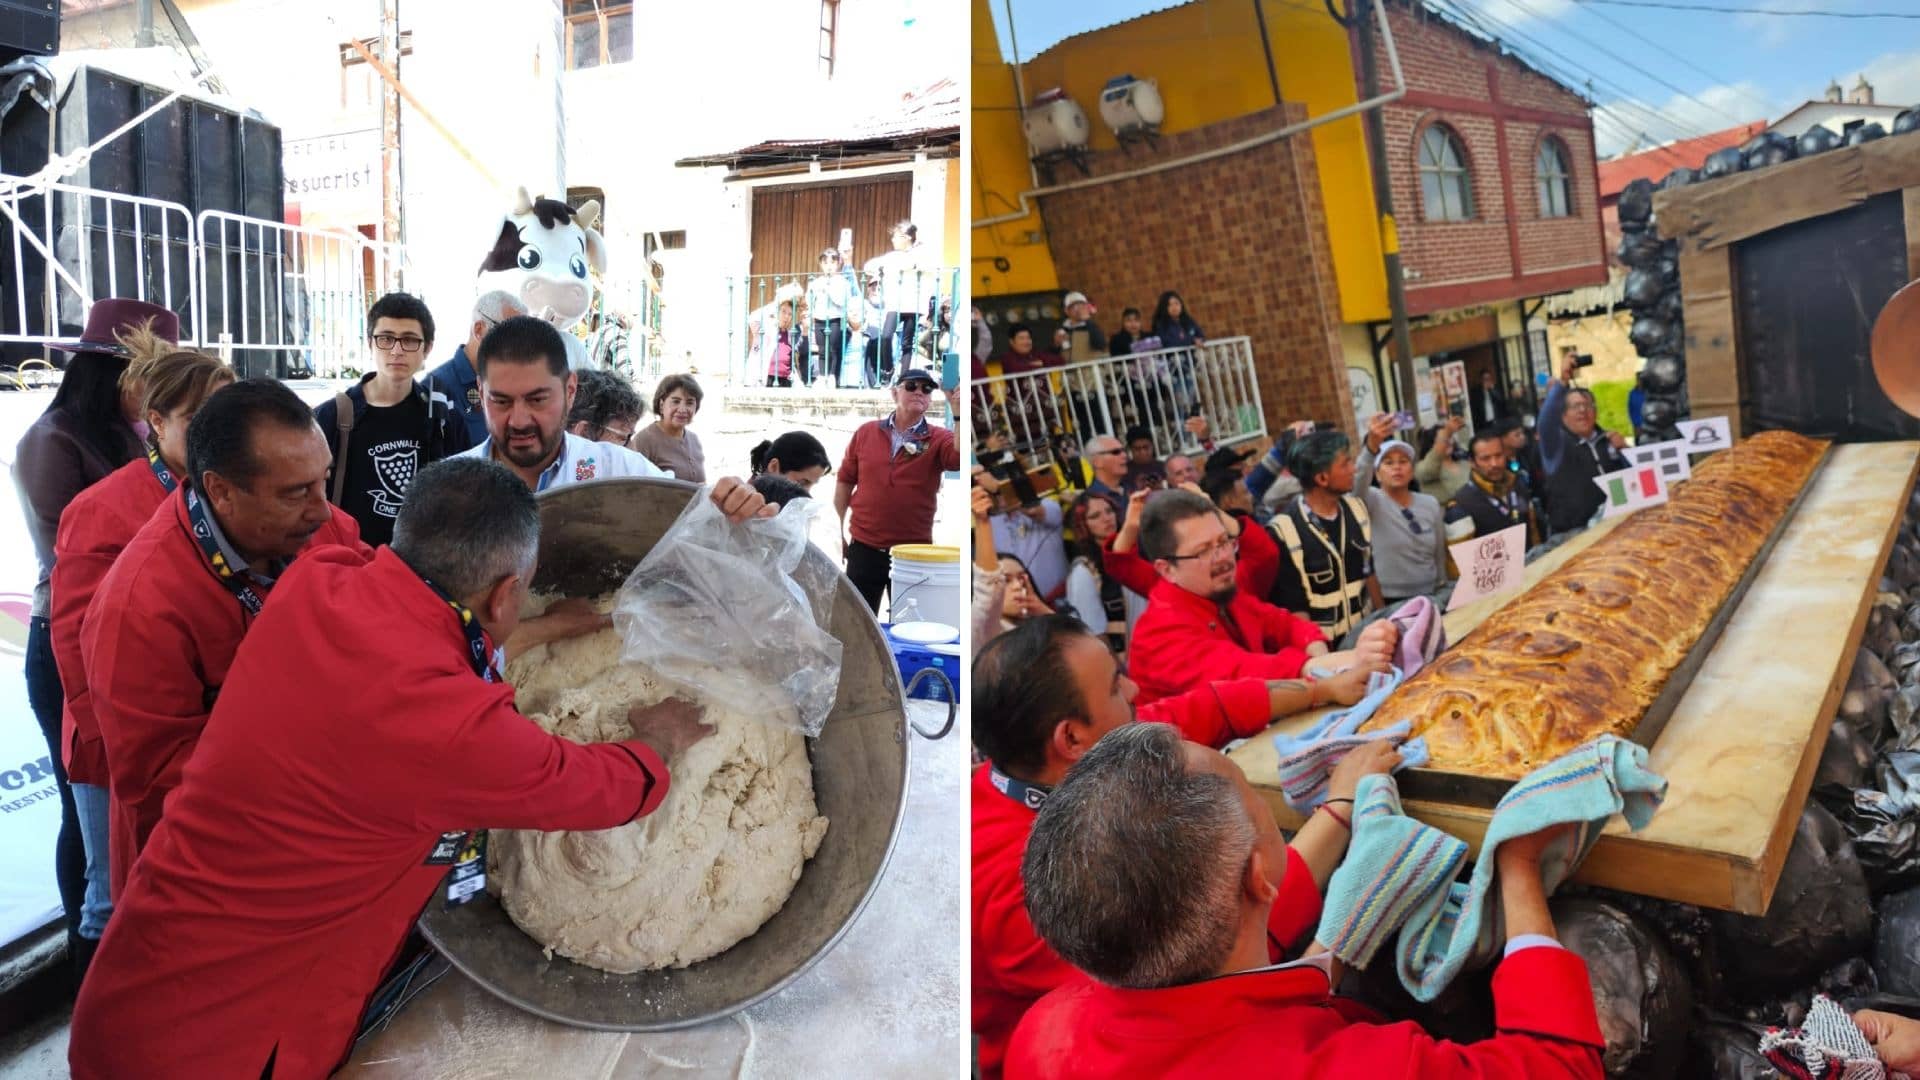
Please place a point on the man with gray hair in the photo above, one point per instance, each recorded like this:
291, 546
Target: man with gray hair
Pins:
1152, 868
458, 378
1108, 460
361, 745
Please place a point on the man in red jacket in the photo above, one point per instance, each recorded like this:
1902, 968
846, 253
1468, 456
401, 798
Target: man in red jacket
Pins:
1043, 694
164, 624
890, 479
1201, 628
362, 737
1178, 942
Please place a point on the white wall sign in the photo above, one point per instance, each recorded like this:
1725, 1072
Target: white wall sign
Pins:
1366, 399
1712, 433
1489, 565
335, 175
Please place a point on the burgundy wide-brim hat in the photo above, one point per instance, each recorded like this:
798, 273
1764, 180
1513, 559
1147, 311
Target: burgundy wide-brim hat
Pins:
113, 315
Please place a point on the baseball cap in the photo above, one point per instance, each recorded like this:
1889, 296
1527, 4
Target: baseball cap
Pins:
907, 374
1074, 298
1398, 444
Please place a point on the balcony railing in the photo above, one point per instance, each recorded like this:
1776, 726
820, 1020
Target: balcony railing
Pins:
1158, 390
753, 298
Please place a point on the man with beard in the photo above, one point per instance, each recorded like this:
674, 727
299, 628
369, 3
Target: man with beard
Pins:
1495, 497
167, 619
528, 389
1199, 628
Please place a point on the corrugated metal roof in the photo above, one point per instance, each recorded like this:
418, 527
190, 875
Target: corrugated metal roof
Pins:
924, 118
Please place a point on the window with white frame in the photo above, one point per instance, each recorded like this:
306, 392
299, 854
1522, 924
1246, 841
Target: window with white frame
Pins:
1552, 176
1446, 186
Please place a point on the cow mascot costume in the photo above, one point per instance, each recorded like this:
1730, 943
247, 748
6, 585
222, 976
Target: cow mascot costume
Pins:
542, 255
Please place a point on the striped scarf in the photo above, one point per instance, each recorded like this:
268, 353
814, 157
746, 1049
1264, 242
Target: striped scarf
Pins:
1401, 875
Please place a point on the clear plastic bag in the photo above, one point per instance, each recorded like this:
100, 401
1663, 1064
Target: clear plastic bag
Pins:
737, 613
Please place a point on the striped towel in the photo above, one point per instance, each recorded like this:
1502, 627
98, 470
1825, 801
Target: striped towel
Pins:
1393, 870
1826, 1046
1396, 873
1307, 759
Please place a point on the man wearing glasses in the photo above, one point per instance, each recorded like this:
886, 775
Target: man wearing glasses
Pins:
457, 377
1200, 628
1108, 460
1574, 450
890, 481
387, 428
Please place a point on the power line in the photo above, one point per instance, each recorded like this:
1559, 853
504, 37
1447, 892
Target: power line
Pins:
1728, 9
1764, 103
1524, 6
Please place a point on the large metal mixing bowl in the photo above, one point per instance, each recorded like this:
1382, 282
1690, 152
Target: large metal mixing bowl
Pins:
592, 536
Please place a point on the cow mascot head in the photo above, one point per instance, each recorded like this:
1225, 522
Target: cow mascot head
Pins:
542, 255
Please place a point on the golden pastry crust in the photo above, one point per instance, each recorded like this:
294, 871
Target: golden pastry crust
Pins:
1586, 650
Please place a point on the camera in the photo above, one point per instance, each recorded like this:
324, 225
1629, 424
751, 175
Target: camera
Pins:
1583, 360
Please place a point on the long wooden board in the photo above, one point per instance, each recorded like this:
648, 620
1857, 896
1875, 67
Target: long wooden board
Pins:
1740, 750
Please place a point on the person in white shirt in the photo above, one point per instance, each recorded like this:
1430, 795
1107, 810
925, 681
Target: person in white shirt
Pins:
829, 295
904, 278
527, 389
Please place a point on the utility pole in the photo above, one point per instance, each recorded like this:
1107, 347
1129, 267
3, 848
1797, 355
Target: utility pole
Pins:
391, 177
1409, 395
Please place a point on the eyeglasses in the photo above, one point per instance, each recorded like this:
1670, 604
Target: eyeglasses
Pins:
1103, 453
917, 387
1223, 546
386, 342
1412, 522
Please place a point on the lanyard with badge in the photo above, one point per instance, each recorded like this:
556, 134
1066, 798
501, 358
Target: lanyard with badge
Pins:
1027, 795
160, 471
242, 591
465, 850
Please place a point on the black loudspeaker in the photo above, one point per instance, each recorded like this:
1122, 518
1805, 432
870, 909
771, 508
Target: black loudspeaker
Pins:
29, 28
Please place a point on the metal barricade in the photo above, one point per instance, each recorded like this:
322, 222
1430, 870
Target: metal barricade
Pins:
753, 304
287, 299
1158, 391
62, 246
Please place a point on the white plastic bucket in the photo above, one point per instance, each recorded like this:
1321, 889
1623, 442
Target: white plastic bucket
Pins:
929, 575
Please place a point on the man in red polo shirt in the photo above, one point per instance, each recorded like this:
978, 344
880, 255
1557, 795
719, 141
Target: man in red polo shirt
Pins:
1200, 628
1178, 943
361, 739
163, 626
890, 479
1043, 694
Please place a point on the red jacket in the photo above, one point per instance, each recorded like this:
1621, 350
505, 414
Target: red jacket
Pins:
894, 494
93, 530
1181, 642
1258, 565
350, 736
155, 644
1012, 967
1283, 1022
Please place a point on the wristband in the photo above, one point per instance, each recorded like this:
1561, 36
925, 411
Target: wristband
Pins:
1337, 816
1349, 802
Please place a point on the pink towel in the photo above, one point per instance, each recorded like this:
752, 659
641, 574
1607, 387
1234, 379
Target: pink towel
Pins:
1422, 634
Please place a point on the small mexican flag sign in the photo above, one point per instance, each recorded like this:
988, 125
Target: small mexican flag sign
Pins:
1631, 489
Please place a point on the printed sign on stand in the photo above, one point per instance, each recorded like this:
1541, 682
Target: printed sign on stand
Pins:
1712, 433
1631, 489
1669, 457
1489, 565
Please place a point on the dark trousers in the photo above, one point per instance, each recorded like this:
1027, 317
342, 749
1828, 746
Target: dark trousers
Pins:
898, 334
871, 571
775, 380
829, 341
873, 351
46, 698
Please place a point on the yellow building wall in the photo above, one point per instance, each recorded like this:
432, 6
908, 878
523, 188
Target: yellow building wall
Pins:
1207, 60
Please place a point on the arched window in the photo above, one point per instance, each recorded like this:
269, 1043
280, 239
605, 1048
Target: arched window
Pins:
1551, 174
1445, 184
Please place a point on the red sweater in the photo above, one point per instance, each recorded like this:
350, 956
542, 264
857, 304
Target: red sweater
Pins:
894, 494
1285, 1022
94, 529
156, 643
1182, 642
351, 734
1012, 967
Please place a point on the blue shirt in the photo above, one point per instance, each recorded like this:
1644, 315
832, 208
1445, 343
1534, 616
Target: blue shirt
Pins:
457, 379
916, 434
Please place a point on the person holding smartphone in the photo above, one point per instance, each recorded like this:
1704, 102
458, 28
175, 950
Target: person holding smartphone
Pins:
1574, 449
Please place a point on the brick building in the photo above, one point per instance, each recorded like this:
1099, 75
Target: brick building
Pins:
1494, 182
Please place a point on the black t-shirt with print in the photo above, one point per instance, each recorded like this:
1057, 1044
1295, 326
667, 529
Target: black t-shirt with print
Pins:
384, 452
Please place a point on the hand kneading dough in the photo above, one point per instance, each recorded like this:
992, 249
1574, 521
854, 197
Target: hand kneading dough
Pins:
692, 879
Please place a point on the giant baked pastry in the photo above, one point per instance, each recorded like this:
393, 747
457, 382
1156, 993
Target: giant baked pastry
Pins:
1586, 650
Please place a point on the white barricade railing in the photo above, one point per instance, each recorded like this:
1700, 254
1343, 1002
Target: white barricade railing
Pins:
79, 244
291, 289
1157, 390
